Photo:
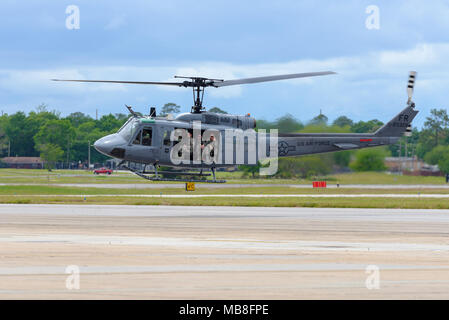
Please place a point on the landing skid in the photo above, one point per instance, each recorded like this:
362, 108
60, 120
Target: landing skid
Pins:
156, 178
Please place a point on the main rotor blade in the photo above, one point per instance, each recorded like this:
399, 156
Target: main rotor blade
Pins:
270, 78
178, 84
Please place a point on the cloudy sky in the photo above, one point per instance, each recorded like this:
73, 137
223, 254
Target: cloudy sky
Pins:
155, 40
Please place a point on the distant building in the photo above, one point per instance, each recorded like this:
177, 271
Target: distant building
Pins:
411, 166
22, 162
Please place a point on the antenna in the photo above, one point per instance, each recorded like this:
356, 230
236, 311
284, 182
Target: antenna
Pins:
131, 111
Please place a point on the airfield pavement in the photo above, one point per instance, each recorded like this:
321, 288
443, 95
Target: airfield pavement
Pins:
169, 252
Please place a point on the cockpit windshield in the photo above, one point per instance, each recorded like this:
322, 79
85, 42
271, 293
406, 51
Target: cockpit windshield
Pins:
128, 130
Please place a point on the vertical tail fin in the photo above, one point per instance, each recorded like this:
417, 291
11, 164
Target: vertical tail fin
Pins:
401, 124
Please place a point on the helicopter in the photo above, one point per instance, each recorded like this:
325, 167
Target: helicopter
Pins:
200, 142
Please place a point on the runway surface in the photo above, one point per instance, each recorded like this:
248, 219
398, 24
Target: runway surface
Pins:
158, 252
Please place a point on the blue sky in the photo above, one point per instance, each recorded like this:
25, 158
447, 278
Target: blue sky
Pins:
154, 40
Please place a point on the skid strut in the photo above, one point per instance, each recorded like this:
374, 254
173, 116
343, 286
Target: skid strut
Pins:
157, 178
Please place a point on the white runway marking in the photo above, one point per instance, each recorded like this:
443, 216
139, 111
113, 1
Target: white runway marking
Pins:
41, 270
435, 216
226, 243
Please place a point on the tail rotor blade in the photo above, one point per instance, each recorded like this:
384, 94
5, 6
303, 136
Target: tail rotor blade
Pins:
411, 85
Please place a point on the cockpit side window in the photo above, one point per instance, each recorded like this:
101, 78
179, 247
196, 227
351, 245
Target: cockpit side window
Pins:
125, 124
127, 132
147, 135
138, 138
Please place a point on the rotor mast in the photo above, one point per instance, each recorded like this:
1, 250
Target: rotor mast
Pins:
198, 85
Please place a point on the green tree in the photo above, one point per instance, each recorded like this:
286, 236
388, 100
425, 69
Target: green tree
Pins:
303, 167
121, 117
217, 110
342, 158
411, 143
369, 160
443, 163
51, 154
436, 154
88, 132
285, 124
254, 169
56, 132
437, 123
169, 108
3, 142
78, 118
320, 119
288, 123
264, 124
19, 134
366, 126
108, 123
343, 121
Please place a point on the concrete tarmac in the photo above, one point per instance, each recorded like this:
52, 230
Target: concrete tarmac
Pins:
159, 252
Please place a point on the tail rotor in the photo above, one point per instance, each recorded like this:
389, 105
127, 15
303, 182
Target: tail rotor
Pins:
410, 86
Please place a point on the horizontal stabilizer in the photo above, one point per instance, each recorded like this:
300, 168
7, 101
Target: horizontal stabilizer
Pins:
346, 146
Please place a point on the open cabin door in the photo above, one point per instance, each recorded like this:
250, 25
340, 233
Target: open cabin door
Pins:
165, 144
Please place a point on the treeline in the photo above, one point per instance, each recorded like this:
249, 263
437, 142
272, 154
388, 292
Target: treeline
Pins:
46, 133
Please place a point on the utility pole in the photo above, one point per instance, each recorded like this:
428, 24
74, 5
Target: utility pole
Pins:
406, 155
68, 154
88, 156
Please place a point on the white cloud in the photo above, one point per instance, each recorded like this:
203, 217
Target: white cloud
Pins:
365, 84
115, 23
428, 59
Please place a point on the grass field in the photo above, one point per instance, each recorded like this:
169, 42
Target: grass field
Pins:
30, 194
233, 201
19, 176
56, 190
37, 186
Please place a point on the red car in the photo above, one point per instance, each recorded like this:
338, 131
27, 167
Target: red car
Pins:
103, 170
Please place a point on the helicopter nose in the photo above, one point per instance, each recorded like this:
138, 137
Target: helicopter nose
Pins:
106, 144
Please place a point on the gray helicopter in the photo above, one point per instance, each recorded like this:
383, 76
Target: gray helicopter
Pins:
202, 141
